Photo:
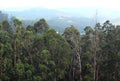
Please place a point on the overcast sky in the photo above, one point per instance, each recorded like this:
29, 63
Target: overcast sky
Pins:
54, 4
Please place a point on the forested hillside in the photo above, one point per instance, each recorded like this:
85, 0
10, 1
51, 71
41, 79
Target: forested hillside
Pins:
39, 53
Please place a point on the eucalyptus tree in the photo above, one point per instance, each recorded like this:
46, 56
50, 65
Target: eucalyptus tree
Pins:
28, 43
5, 54
61, 56
72, 35
18, 38
87, 54
41, 26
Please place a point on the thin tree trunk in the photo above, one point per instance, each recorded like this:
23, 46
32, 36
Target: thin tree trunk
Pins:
80, 65
95, 46
95, 68
1, 61
73, 75
1, 67
31, 60
14, 52
29, 51
97, 77
116, 72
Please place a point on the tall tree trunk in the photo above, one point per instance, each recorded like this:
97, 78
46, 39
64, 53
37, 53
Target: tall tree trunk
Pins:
80, 64
95, 49
15, 49
31, 60
97, 77
1, 66
95, 65
116, 72
77, 62
1, 60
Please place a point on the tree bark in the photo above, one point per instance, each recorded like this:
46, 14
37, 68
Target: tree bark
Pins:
1, 67
14, 52
95, 46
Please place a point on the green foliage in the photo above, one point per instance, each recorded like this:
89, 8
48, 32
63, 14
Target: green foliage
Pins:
6, 26
41, 54
19, 69
72, 35
30, 28
41, 26
37, 78
17, 22
88, 30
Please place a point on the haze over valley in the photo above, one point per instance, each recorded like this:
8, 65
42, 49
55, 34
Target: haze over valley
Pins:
64, 17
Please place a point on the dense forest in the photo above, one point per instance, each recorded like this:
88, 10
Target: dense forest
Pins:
39, 53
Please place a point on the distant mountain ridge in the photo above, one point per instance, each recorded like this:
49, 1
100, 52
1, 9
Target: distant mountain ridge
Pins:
60, 23
61, 18
3, 16
36, 13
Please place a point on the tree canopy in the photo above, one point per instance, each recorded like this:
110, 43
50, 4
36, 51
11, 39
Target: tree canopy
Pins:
40, 53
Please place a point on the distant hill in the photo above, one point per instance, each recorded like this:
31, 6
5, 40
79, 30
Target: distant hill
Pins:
55, 18
61, 18
60, 23
3, 16
36, 13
